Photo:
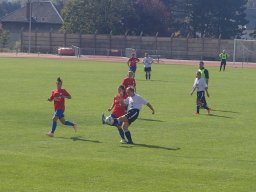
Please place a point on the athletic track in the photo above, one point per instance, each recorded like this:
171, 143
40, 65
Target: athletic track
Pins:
123, 59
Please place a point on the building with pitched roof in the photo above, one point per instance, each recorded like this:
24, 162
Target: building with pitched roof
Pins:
42, 15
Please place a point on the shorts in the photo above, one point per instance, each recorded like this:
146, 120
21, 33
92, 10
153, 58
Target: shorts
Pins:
147, 69
201, 101
58, 113
132, 68
223, 62
132, 115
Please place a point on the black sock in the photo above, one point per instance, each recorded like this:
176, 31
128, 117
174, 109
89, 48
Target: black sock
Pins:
149, 76
128, 136
197, 109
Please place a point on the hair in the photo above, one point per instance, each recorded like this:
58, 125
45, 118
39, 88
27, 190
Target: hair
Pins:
130, 89
121, 87
59, 80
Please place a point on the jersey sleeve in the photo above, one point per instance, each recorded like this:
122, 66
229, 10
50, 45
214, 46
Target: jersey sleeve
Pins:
143, 101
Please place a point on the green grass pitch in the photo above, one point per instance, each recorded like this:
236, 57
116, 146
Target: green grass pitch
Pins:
174, 149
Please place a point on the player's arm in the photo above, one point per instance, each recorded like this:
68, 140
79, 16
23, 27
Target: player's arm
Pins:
112, 106
193, 90
151, 107
50, 99
207, 93
128, 62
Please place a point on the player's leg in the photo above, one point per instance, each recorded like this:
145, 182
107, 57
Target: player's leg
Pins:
55, 118
68, 123
221, 65
146, 73
224, 65
125, 126
149, 73
127, 119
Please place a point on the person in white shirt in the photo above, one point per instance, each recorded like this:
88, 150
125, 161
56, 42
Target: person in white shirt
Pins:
201, 87
135, 102
147, 61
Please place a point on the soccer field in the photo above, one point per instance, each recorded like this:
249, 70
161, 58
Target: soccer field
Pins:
174, 150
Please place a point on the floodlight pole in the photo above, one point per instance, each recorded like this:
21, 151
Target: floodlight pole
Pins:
29, 30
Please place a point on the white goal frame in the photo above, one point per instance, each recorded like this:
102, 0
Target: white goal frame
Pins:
244, 51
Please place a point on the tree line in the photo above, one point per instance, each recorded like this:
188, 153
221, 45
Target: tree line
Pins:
194, 18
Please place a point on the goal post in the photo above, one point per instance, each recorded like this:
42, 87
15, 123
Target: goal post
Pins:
244, 51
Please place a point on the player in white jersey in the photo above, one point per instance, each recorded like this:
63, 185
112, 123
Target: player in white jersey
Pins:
147, 61
135, 102
200, 86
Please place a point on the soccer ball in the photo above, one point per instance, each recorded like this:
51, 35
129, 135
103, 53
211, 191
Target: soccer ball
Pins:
109, 120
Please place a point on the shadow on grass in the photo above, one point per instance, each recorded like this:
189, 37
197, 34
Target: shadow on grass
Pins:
150, 146
221, 116
153, 80
225, 111
150, 120
79, 138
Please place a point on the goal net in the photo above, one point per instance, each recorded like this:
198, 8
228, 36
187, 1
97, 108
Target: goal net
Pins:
244, 51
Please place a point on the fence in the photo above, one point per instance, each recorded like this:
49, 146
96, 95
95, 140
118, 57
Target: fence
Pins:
116, 45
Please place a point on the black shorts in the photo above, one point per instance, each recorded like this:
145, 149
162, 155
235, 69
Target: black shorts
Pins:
223, 62
132, 115
147, 69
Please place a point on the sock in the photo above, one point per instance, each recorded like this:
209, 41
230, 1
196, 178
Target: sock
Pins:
146, 76
197, 109
54, 125
116, 122
149, 75
69, 123
128, 136
121, 133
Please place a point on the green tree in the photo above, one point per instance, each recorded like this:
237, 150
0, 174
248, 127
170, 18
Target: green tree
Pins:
4, 37
224, 18
118, 16
87, 16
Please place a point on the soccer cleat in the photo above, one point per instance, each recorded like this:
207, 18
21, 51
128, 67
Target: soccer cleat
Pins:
123, 141
209, 111
196, 113
103, 118
129, 142
75, 127
50, 134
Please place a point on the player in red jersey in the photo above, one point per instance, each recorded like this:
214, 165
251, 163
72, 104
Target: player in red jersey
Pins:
129, 81
58, 96
119, 110
132, 63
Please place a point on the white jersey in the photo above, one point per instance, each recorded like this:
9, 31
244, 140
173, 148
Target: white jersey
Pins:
147, 61
200, 84
135, 102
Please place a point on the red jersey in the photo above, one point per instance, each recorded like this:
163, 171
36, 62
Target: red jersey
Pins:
59, 101
118, 110
129, 82
133, 61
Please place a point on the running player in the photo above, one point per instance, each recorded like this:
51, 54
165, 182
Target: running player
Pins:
201, 87
135, 103
132, 63
147, 61
129, 81
118, 109
58, 96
